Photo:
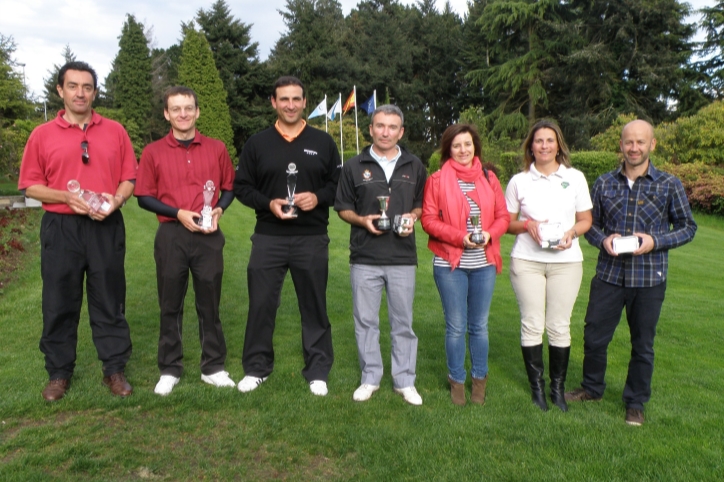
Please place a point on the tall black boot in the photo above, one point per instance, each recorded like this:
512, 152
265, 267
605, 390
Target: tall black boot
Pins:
533, 358
558, 367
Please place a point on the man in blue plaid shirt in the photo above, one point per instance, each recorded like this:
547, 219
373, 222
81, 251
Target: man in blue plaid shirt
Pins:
634, 200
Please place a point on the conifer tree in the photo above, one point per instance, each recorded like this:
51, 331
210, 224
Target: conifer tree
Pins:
53, 102
246, 80
129, 84
197, 70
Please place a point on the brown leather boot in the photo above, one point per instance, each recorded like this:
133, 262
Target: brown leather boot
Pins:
478, 395
55, 389
457, 392
118, 384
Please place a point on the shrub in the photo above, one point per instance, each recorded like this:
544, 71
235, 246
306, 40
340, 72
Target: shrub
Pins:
704, 185
12, 143
433, 164
509, 164
594, 163
697, 138
608, 140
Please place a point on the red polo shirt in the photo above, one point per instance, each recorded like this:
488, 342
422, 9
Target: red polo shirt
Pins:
52, 157
176, 175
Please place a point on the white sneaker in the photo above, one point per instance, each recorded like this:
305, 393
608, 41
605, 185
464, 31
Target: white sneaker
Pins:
249, 383
364, 392
318, 387
218, 379
165, 385
410, 395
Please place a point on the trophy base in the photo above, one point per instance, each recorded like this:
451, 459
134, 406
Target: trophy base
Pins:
291, 209
204, 222
477, 238
383, 224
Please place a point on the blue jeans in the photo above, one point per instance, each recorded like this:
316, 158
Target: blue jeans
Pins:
466, 295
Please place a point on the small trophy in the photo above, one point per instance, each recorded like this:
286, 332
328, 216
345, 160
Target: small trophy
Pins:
383, 224
205, 220
477, 235
290, 208
95, 202
550, 234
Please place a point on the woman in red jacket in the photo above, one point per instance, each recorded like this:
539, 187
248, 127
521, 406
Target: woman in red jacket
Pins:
465, 268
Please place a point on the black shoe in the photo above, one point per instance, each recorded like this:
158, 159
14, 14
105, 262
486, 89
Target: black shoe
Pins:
634, 417
558, 366
533, 358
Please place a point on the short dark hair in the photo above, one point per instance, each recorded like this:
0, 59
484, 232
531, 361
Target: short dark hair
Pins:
77, 65
389, 109
285, 81
179, 90
563, 156
451, 133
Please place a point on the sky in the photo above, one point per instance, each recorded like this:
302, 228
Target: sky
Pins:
42, 28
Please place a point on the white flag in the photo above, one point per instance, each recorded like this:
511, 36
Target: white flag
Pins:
321, 109
336, 109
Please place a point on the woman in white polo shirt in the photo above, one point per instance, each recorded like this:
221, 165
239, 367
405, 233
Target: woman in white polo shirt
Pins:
551, 197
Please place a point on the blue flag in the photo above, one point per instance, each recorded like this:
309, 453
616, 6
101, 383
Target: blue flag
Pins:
369, 105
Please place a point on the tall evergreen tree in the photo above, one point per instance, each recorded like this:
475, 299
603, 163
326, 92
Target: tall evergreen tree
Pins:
245, 78
13, 101
53, 102
198, 71
712, 49
632, 58
164, 74
311, 48
526, 39
129, 84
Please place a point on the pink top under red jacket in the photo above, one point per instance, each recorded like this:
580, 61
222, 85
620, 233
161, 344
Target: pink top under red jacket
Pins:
446, 236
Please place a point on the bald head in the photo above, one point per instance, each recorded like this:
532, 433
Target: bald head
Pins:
637, 141
638, 125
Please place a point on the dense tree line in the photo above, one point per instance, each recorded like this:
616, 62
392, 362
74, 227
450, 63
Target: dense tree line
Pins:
502, 65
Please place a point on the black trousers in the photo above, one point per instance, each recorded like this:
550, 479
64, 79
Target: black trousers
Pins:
605, 304
178, 251
307, 258
73, 248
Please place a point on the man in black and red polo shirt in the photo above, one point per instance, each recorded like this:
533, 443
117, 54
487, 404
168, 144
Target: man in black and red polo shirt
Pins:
173, 174
80, 240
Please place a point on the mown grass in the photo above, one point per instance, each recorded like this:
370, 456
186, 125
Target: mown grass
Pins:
282, 432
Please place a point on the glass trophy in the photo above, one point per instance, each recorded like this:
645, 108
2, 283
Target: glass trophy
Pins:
205, 220
95, 202
477, 235
550, 234
290, 208
383, 223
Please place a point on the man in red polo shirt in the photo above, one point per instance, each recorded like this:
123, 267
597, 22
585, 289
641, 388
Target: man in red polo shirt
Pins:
78, 239
174, 176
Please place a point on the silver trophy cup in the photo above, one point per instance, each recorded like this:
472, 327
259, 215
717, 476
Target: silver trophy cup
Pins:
291, 208
383, 223
477, 235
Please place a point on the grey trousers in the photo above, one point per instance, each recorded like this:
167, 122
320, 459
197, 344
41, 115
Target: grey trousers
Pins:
367, 284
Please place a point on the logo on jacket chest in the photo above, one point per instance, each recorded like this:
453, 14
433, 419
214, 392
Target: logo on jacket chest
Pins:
366, 175
310, 152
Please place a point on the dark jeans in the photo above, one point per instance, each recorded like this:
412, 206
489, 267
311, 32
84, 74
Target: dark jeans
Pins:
307, 258
643, 306
74, 248
178, 251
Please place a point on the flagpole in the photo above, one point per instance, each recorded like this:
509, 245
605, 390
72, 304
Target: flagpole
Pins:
356, 129
325, 114
374, 95
341, 139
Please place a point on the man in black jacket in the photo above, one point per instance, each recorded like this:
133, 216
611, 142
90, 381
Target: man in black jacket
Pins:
289, 159
383, 258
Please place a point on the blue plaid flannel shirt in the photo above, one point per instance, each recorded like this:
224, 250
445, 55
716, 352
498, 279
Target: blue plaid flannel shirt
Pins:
656, 205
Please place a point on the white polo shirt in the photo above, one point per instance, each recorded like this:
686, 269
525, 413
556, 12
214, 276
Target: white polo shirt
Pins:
556, 198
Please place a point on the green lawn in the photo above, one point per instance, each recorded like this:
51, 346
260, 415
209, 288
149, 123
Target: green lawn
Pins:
282, 432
